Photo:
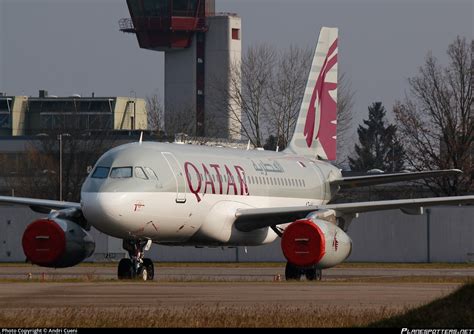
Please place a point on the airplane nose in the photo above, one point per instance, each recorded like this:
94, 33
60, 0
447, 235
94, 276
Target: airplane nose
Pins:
102, 211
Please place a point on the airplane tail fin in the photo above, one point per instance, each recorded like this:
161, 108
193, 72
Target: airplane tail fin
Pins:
315, 132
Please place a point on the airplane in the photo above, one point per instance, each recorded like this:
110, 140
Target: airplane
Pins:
172, 194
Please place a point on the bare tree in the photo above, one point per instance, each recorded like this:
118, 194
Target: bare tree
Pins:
155, 113
265, 92
286, 91
247, 96
345, 103
436, 119
38, 173
180, 120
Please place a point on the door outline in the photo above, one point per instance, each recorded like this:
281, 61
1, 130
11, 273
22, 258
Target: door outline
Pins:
178, 176
320, 174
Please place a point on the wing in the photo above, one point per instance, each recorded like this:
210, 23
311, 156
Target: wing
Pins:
39, 205
251, 219
369, 180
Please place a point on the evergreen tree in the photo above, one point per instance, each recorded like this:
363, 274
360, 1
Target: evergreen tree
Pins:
378, 145
272, 143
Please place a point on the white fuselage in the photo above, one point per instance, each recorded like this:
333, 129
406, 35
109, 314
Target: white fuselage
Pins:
197, 191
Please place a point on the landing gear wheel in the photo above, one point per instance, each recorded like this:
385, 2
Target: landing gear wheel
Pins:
142, 273
292, 272
125, 269
313, 274
148, 264
136, 266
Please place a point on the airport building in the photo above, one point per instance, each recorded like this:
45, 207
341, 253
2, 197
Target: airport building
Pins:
30, 116
47, 125
202, 49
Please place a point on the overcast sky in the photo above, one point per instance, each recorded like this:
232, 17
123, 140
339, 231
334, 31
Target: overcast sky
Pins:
74, 46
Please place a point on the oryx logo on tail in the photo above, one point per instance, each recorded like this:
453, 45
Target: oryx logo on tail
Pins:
315, 132
326, 106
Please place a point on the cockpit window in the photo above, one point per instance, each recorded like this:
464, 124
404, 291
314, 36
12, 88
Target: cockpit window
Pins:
140, 173
151, 173
121, 172
100, 172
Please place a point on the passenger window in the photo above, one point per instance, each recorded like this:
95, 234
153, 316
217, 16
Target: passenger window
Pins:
151, 173
140, 173
121, 172
100, 172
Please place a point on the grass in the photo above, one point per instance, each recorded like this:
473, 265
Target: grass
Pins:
192, 316
453, 311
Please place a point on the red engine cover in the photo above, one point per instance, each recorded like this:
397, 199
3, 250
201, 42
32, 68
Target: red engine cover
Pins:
303, 243
43, 242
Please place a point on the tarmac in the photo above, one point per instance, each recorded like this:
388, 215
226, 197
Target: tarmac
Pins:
183, 294
220, 272
27, 286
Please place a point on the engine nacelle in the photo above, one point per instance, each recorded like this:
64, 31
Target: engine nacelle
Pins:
56, 243
308, 242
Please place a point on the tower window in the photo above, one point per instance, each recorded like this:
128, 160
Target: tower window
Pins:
235, 33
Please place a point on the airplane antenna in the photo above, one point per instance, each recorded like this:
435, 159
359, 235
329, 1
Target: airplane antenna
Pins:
248, 145
141, 137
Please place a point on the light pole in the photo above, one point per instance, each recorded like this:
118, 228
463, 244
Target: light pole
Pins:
134, 109
60, 137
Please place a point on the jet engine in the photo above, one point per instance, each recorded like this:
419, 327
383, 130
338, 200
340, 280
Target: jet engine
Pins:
56, 243
315, 242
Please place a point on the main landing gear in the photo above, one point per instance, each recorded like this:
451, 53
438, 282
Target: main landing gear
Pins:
293, 272
136, 267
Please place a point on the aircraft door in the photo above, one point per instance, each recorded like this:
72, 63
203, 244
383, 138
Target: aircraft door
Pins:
178, 175
321, 185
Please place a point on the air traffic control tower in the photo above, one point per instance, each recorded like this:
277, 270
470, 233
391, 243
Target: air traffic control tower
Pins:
200, 48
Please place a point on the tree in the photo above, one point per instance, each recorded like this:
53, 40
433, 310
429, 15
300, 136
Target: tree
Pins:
266, 91
251, 79
345, 103
272, 144
38, 174
285, 92
436, 118
378, 146
155, 114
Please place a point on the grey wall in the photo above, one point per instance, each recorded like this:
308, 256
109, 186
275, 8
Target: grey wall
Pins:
379, 236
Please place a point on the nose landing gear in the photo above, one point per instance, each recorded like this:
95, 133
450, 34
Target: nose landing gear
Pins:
136, 267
